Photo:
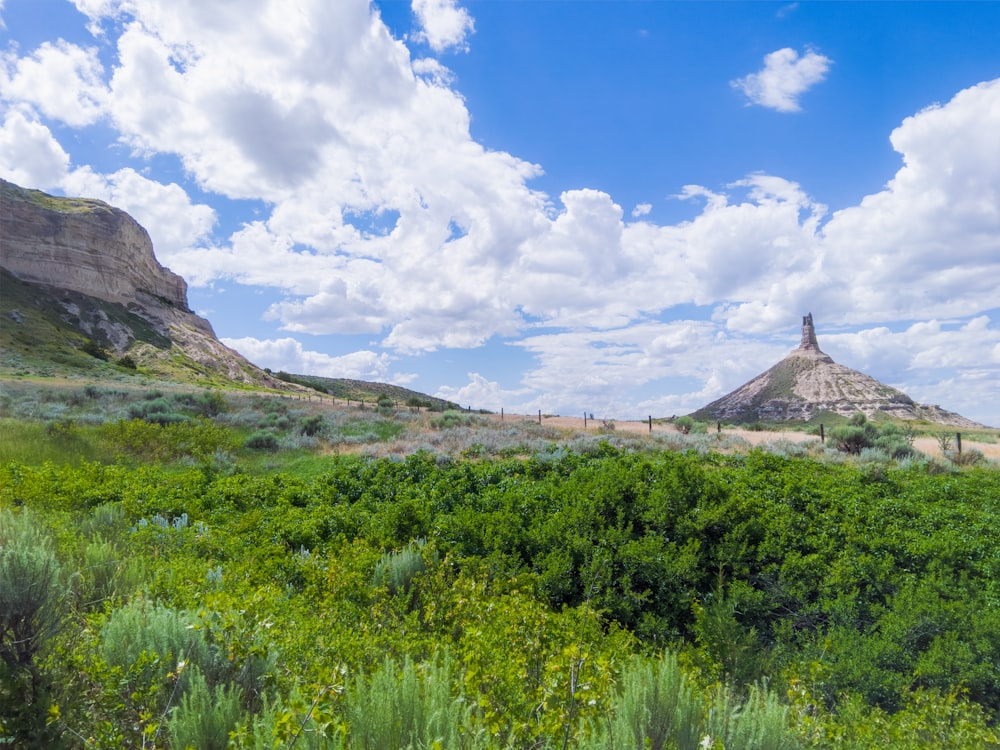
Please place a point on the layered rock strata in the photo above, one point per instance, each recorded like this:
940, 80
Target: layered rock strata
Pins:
97, 263
82, 245
808, 382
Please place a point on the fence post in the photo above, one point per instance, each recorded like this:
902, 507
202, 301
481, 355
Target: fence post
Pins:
539, 416
822, 436
585, 420
718, 427
650, 422
958, 442
501, 415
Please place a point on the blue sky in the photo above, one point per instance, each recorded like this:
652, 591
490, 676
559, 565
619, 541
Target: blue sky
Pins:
620, 208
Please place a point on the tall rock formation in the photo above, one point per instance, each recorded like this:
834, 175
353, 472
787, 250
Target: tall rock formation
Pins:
84, 246
808, 382
94, 265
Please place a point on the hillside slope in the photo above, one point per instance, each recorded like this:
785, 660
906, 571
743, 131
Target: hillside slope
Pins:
83, 294
808, 382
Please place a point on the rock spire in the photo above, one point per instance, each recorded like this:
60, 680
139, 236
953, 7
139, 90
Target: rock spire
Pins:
809, 342
807, 383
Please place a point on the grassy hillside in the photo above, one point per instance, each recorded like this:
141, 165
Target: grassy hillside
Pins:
52, 202
362, 390
38, 337
51, 333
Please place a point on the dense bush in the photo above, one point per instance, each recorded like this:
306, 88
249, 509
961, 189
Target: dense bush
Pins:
890, 440
31, 611
588, 594
262, 440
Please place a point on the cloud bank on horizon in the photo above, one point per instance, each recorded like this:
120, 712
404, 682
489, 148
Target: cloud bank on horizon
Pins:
321, 166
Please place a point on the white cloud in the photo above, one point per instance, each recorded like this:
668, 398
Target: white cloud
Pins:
928, 245
786, 10
288, 355
434, 71
443, 25
641, 209
60, 80
784, 78
599, 371
484, 394
29, 154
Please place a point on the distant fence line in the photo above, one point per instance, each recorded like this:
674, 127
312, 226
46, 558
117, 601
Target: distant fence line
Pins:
587, 418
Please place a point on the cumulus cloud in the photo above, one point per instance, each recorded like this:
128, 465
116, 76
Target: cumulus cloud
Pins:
60, 80
591, 370
288, 355
443, 24
29, 153
485, 394
927, 245
784, 78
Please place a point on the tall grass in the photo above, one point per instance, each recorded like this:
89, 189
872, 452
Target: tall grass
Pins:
61, 443
658, 708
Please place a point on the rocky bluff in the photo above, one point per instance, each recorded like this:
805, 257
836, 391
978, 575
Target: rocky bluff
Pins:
97, 264
82, 245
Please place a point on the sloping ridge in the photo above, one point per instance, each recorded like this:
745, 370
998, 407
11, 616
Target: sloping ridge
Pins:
808, 382
85, 265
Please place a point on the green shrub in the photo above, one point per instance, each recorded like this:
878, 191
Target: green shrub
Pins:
158, 410
657, 708
684, 425
262, 440
94, 349
970, 457
168, 634
449, 419
196, 438
204, 716
31, 611
401, 706
853, 439
759, 723
396, 570
312, 426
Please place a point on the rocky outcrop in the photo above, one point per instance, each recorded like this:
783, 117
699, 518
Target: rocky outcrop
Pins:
96, 265
82, 245
808, 382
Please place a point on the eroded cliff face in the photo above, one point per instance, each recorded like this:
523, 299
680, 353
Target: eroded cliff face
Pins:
96, 263
85, 246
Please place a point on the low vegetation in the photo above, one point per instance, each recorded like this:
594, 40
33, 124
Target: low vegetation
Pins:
205, 569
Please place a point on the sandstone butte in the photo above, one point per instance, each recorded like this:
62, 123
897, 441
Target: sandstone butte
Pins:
808, 383
98, 264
